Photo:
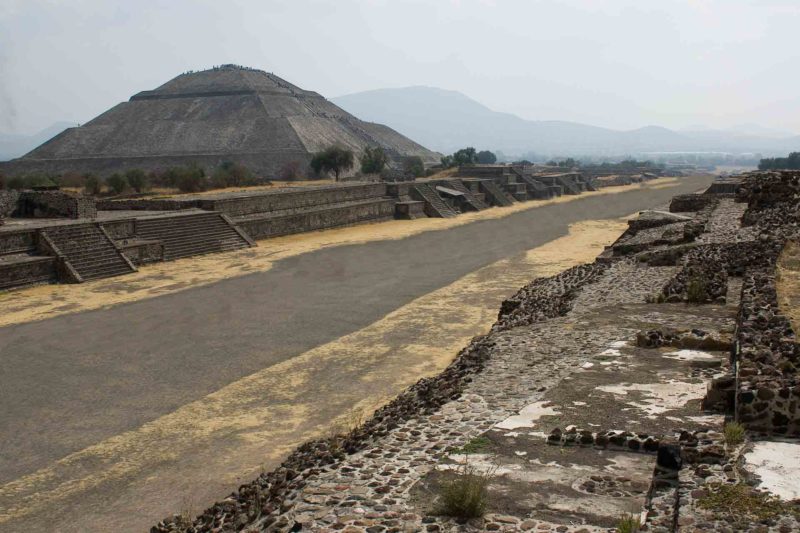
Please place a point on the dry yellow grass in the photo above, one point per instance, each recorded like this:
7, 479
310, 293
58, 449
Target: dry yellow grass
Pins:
253, 422
788, 283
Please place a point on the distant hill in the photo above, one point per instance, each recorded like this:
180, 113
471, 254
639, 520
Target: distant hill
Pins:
448, 120
12, 146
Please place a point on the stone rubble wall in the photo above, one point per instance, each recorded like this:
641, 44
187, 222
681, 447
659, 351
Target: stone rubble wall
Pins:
55, 204
8, 203
290, 200
768, 392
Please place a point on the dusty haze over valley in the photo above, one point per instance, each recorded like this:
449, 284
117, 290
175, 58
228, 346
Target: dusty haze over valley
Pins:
399, 266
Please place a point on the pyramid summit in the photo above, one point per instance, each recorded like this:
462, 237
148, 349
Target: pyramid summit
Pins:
227, 113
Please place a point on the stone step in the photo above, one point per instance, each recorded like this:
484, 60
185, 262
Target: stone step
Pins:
89, 251
496, 195
433, 201
471, 199
189, 235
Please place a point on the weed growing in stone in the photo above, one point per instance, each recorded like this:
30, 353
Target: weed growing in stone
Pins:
476, 445
629, 523
696, 291
743, 503
465, 496
734, 433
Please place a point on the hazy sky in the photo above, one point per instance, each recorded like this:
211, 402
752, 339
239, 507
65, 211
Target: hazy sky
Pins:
615, 63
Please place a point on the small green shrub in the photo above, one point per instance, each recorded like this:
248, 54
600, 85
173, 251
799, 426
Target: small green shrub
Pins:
465, 496
476, 445
629, 523
734, 433
656, 298
137, 179
117, 183
92, 184
696, 291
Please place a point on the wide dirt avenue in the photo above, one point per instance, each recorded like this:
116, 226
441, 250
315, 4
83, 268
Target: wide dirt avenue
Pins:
116, 417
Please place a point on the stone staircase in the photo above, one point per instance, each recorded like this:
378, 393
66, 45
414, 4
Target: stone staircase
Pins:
495, 194
536, 189
517, 190
88, 250
434, 205
192, 234
476, 203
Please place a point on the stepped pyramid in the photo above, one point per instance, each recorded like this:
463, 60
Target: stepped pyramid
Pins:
228, 113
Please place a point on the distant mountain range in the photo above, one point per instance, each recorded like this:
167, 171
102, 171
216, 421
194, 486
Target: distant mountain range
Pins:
448, 120
12, 146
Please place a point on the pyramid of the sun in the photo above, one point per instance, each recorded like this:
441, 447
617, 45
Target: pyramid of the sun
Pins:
228, 113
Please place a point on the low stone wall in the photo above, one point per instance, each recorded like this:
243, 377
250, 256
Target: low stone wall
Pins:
409, 210
12, 242
55, 204
334, 216
27, 272
691, 202
288, 200
134, 204
142, 252
120, 229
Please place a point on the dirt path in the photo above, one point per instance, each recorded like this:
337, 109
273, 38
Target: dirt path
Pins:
121, 416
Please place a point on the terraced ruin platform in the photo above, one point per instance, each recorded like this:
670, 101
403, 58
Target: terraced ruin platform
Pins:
147, 230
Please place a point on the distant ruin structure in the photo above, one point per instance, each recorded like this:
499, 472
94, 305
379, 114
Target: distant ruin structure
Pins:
228, 113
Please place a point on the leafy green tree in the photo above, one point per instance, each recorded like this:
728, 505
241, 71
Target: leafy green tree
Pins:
414, 166
137, 179
792, 162
485, 157
465, 156
447, 161
334, 159
117, 183
373, 160
30, 181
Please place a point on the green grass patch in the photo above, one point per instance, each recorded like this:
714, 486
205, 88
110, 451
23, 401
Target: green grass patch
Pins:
696, 291
476, 445
734, 434
464, 496
629, 523
743, 503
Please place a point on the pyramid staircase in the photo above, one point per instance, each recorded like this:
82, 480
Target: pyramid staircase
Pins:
187, 235
434, 205
495, 194
473, 201
88, 251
